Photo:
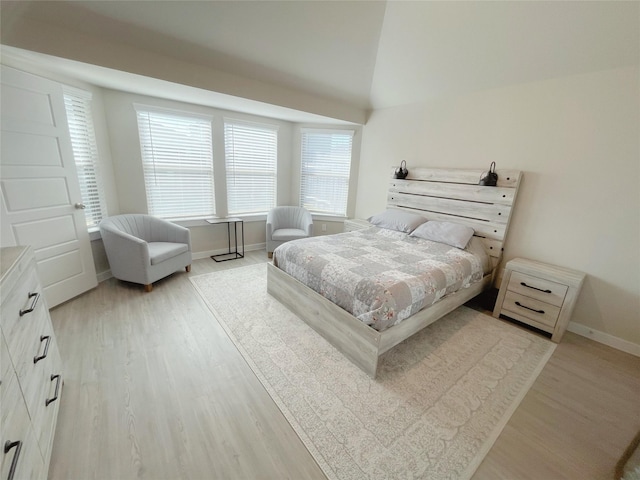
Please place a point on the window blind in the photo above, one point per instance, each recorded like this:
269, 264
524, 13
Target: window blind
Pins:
177, 159
325, 167
85, 153
251, 152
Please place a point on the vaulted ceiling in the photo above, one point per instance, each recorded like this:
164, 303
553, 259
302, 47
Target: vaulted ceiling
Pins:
362, 54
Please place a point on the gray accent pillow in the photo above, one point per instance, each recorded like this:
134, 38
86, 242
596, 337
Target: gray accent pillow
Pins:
397, 220
450, 233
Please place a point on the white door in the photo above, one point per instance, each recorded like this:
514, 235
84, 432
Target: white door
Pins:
40, 198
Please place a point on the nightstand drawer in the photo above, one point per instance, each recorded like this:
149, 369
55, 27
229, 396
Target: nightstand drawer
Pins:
531, 308
537, 288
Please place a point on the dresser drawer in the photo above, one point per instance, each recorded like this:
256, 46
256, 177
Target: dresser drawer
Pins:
24, 295
538, 288
43, 397
25, 344
15, 428
541, 312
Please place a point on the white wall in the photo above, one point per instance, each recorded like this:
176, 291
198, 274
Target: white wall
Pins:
577, 141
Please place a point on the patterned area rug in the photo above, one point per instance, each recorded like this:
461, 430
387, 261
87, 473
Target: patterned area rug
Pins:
439, 402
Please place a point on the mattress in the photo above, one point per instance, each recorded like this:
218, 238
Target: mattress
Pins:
382, 276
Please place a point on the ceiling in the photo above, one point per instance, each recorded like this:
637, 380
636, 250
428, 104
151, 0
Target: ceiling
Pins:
366, 54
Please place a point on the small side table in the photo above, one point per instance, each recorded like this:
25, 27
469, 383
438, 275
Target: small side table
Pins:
235, 253
351, 224
539, 294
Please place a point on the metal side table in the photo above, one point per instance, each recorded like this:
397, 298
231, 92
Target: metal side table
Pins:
235, 253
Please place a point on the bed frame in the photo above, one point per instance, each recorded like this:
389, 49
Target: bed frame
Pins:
437, 194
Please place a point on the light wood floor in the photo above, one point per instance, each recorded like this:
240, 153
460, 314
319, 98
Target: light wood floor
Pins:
155, 389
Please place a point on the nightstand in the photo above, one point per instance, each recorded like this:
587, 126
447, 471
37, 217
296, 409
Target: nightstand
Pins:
352, 224
539, 294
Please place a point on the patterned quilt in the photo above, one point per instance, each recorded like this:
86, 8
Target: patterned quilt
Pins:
381, 276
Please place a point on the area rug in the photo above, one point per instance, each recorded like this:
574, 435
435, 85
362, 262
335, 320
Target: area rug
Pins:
438, 404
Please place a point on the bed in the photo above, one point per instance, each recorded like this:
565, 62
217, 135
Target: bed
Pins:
449, 195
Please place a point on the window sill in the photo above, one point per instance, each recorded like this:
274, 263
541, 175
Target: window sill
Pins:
262, 217
201, 221
94, 234
328, 218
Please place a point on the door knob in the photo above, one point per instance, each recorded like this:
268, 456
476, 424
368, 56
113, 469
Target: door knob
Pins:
80, 206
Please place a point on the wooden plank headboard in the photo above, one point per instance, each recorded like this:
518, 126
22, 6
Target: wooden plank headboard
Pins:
454, 195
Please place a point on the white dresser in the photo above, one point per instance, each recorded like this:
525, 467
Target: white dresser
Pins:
539, 294
30, 369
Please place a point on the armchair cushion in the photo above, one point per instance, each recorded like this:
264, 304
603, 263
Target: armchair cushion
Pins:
288, 234
161, 251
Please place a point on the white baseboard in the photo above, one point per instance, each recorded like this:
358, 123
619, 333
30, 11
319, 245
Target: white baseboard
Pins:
102, 276
605, 338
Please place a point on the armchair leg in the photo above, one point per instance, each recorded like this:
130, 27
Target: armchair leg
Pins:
148, 287
188, 268
270, 254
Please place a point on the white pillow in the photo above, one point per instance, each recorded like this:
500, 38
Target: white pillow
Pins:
450, 233
397, 220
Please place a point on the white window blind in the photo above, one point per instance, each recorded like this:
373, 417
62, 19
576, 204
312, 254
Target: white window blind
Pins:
85, 153
326, 163
177, 158
251, 152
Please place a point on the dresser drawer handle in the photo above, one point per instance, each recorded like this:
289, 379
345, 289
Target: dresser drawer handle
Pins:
14, 463
529, 308
55, 395
46, 348
535, 288
32, 307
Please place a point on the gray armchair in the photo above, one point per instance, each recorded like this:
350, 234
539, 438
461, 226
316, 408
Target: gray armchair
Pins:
143, 248
285, 224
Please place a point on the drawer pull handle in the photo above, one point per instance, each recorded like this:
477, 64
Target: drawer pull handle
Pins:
535, 288
529, 308
14, 463
55, 395
46, 348
32, 307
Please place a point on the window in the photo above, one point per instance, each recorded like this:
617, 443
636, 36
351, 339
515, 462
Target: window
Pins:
326, 162
177, 159
85, 153
251, 152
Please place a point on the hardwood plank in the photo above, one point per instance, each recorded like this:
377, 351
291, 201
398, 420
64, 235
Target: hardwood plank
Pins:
502, 195
506, 178
482, 211
490, 230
